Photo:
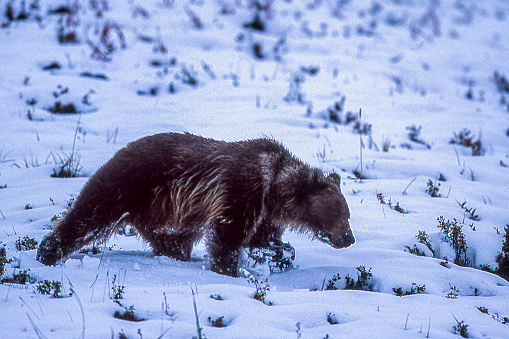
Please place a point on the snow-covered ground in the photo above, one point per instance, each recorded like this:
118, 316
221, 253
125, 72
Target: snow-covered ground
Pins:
194, 66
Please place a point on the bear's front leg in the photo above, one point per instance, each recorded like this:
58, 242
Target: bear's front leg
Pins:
224, 242
267, 235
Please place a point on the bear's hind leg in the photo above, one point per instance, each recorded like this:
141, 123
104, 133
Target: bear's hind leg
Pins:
177, 245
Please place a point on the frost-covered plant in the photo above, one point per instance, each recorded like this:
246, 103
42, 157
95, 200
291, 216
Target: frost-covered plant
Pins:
460, 328
454, 235
470, 211
50, 287
423, 238
465, 137
414, 134
127, 314
22, 278
117, 289
295, 93
415, 289
389, 203
415, 250
67, 27
26, 243
363, 280
262, 287
3, 258
433, 189
495, 316
217, 322
453, 293
332, 282
503, 257
332, 319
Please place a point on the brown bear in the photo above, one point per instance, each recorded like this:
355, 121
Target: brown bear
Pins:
178, 188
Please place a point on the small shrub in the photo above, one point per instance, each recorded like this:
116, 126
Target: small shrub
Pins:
470, 211
466, 138
295, 93
423, 238
414, 134
453, 293
3, 258
50, 287
483, 310
461, 329
331, 319
453, 232
68, 166
415, 289
117, 289
261, 289
127, 314
363, 280
26, 244
503, 257
217, 296
218, 322
389, 203
22, 278
433, 189
331, 283
501, 82
415, 251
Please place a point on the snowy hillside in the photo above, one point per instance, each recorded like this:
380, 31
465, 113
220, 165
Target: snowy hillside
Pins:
425, 168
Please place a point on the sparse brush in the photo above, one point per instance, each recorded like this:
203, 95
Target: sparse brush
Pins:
466, 138
433, 189
397, 207
453, 293
68, 167
117, 289
217, 322
470, 211
415, 250
503, 257
501, 82
262, 287
50, 287
386, 144
3, 258
22, 278
363, 280
127, 314
332, 282
454, 235
415, 289
423, 238
414, 134
295, 93
460, 328
332, 319
26, 243
217, 296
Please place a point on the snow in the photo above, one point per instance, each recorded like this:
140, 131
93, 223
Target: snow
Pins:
363, 52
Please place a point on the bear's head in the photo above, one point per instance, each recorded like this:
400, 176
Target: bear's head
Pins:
321, 209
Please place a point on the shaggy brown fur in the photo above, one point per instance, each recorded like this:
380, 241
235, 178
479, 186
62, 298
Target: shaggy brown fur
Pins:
178, 188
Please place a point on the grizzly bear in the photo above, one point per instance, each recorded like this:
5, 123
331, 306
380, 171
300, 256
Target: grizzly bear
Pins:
178, 188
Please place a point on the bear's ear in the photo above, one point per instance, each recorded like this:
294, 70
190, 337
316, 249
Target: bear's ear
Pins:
335, 178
